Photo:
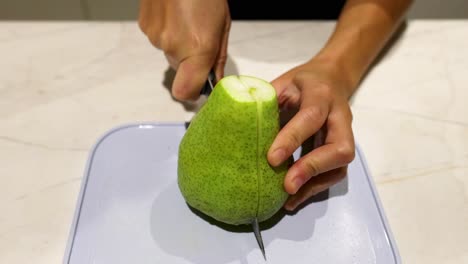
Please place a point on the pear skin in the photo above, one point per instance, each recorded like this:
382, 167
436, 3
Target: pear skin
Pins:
223, 169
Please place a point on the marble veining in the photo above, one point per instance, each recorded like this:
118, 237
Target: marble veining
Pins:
64, 84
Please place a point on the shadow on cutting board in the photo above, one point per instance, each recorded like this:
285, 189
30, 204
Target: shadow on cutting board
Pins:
184, 232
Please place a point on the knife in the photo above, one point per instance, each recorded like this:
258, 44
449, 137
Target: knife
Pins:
258, 236
209, 84
206, 90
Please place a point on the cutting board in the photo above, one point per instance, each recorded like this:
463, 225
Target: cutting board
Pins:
130, 210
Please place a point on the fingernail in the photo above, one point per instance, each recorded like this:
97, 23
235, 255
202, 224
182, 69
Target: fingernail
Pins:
278, 157
297, 183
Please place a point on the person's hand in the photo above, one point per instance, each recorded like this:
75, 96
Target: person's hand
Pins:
319, 91
193, 34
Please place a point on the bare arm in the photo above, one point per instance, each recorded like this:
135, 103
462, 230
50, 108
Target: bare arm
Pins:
362, 30
320, 89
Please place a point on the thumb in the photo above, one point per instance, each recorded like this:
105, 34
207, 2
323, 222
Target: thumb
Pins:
190, 77
289, 95
280, 83
284, 80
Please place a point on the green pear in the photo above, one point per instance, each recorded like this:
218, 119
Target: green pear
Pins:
222, 164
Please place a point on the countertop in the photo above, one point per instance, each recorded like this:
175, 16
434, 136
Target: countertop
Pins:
64, 84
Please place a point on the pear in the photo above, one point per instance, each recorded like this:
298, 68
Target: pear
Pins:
223, 169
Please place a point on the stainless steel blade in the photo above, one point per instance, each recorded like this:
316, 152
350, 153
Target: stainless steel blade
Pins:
211, 80
209, 85
258, 236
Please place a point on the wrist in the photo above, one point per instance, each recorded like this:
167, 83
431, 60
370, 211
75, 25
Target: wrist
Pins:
350, 51
338, 72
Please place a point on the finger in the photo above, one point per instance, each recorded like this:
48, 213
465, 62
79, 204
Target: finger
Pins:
222, 56
340, 125
315, 186
288, 93
338, 151
283, 81
190, 77
143, 10
173, 62
301, 126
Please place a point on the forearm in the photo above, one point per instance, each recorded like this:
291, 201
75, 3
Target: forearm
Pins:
362, 30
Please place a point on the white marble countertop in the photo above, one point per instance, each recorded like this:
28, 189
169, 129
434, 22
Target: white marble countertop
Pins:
64, 84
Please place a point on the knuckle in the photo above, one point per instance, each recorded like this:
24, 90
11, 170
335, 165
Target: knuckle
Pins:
325, 90
167, 42
310, 167
194, 41
142, 24
345, 152
155, 37
312, 114
293, 141
155, 41
201, 42
301, 78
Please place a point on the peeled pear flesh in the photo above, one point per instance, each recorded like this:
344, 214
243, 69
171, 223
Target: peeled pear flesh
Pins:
223, 170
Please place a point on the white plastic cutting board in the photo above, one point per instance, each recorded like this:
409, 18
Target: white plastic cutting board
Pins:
130, 210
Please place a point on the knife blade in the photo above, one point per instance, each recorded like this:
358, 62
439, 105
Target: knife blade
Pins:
258, 236
206, 89
209, 84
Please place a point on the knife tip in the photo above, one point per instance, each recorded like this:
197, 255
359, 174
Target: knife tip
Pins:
258, 236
